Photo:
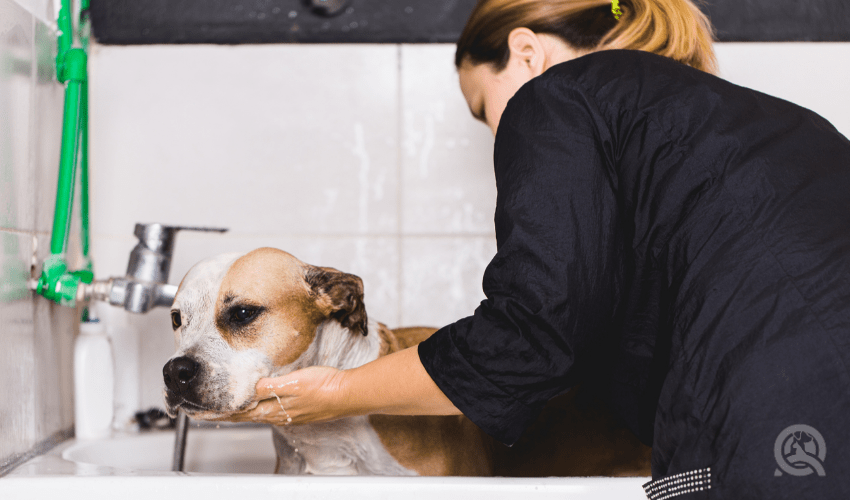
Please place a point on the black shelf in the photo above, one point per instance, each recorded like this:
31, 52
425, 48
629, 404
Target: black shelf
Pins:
131, 22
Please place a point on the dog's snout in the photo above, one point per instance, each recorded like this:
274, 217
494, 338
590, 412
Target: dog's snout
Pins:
179, 373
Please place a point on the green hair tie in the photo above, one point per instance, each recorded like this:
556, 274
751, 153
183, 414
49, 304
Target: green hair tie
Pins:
615, 9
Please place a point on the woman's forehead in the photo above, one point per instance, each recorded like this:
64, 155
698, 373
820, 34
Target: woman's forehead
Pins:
472, 81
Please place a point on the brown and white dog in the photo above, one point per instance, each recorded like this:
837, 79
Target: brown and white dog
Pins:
241, 317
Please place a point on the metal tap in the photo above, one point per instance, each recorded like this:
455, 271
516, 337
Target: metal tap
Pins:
145, 285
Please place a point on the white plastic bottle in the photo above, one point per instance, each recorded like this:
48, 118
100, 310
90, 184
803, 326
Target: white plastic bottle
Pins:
94, 382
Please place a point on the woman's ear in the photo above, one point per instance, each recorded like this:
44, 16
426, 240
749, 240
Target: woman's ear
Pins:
527, 51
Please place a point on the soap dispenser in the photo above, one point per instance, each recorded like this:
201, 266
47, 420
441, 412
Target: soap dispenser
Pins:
94, 382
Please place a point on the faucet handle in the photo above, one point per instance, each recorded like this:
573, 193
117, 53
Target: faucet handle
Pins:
150, 260
160, 238
203, 229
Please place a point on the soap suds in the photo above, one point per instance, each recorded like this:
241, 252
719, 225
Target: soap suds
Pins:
281, 386
288, 418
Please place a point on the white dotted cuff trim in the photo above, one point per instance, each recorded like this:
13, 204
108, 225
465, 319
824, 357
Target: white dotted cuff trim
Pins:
679, 484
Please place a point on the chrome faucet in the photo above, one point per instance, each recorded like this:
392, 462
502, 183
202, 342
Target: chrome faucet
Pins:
145, 285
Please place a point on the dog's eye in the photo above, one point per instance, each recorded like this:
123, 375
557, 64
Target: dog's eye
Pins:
175, 319
242, 315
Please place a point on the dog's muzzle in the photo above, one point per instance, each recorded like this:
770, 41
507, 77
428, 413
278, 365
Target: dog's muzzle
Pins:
179, 375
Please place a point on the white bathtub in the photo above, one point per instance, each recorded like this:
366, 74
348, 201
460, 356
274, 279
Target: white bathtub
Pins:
235, 463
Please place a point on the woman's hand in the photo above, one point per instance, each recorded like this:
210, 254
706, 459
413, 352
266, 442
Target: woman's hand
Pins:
309, 395
396, 384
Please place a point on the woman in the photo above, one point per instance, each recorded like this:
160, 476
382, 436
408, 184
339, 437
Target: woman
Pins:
678, 243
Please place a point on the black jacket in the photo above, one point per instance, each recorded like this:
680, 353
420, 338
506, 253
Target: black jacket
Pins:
682, 245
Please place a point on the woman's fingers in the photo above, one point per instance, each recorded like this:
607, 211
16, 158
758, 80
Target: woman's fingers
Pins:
269, 411
306, 382
302, 396
308, 395
270, 387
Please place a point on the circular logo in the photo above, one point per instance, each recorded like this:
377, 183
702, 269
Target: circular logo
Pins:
799, 451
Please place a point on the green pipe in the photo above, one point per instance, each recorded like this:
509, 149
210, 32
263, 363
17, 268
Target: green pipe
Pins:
56, 282
84, 139
65, 38
70, 128
75, 73
67, 167
84, 173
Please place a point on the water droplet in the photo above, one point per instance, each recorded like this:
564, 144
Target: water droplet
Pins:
408, 10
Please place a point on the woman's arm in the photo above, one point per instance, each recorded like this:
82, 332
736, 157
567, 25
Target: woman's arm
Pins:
395, 384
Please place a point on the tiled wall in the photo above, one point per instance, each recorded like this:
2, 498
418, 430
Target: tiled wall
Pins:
36, 337
813, 75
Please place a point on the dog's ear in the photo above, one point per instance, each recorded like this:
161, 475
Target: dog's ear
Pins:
342, 294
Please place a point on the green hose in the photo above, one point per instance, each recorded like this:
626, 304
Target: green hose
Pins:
56, 282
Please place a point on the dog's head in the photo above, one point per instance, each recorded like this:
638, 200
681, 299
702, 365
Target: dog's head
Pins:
241, 317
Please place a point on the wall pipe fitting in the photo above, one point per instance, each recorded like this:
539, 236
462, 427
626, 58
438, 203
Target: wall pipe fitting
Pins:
56, 282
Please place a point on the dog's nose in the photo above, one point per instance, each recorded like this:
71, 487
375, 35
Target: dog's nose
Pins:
179, 373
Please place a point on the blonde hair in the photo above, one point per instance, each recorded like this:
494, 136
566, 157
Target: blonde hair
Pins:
672, 28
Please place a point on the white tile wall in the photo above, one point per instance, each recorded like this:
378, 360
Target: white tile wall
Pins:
17, 359
447, 170
813, 75
16, 89
47, 101
44, 11
262, 139
442, 277
36, 336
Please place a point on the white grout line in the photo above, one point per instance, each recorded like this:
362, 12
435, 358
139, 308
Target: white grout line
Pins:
17, 231
399, 189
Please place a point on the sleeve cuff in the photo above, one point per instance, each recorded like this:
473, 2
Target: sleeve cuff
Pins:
486, 405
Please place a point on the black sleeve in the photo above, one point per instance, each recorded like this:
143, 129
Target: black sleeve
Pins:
553, 285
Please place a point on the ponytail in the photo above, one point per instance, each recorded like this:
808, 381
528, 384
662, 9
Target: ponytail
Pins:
672, 28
